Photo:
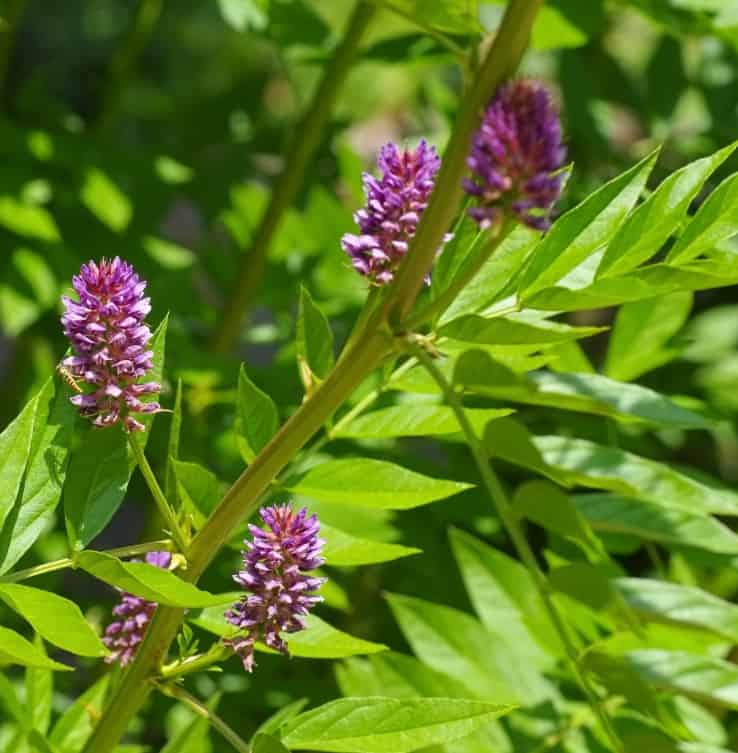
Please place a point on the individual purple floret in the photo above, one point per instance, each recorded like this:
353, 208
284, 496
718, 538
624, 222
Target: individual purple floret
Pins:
516, 155
394, 204
110, 341
124, 635
281, 594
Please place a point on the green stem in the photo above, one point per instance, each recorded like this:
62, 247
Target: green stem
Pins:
8, 31
461, 280
62, 564
124, 60
509, 520
305, 139
178, 692
195, 663
165, 509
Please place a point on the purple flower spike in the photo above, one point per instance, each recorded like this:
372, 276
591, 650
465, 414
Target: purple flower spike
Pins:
124, 635
110, 340
514, 157
281, 594
394, 206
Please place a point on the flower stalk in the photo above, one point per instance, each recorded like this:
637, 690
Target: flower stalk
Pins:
368, 350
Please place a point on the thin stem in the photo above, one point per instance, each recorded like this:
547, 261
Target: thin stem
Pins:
62, 564
504, 510
124, 60
195, 663
178, 692
305, 140
165, 509
462, 279
8, 32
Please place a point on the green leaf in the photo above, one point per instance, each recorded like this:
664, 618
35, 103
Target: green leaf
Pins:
102, 465
53, 617
148, 581
566, 24
29, 289
545, 504
487, 660
263, 743
169, 255
651, 224
651, 521
244, 14
28, 220
660, 601
512, 331
344, 550
193, 737
75, 725
702, 678
39, 694
15, 444
388, 725
642, 329
105, 200
278, 719
318, 640
373, 483
498, 585
450, 16
716, 220
647, 282
175, 431
614, 469
415, 420
198, 488
97, 480
588, 393
46, 469
493, 278
314, 339
257, 420
11, 705
587, 227
15, 649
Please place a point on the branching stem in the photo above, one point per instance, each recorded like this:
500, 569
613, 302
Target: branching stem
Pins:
504, 510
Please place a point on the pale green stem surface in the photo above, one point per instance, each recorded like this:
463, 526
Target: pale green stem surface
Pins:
504, 510
305, 140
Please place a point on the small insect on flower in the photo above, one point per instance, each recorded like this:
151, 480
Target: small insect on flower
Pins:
67, 377
517, 157
281, 593
110, 339
394, 205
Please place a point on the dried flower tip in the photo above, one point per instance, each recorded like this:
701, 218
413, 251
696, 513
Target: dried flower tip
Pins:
394, 206
107, 332
124, 635
515, 157
280, 593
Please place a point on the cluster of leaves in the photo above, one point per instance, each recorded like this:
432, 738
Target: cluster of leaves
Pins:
614, 482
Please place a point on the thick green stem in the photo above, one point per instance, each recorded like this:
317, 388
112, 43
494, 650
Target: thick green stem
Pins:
9, 21
62, 564
178, 692
305, 139
124, 60
162, 504
504, 510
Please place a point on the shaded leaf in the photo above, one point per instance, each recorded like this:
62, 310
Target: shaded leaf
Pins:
314, 339
257, 419
344, 550
15, 649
